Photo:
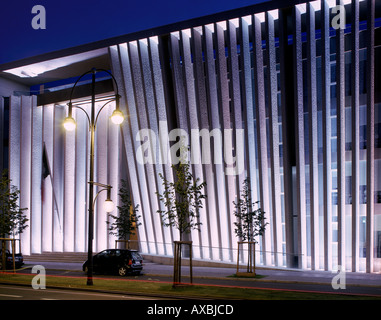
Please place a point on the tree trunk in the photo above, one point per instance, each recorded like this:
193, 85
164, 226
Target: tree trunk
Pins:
177, 261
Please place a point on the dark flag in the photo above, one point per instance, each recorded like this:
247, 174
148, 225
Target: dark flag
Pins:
45, 171
45, 163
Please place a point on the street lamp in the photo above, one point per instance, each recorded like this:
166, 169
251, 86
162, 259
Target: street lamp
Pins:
70, 125
108, 205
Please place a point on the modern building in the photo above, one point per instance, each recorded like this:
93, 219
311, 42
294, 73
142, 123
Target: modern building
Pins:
284, 93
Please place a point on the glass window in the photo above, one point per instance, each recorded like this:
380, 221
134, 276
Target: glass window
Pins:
348, 189
362, 79
348, 129
362, 127
348, 73
377, 125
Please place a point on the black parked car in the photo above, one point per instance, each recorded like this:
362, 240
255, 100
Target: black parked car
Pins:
121, 261
19, 259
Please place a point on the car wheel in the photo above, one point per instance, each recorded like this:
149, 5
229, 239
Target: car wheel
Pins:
122, 271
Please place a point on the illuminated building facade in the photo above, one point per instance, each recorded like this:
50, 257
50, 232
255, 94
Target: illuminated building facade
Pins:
287, 96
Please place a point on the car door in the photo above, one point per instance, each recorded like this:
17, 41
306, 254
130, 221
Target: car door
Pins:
109, 261
118, 260
100, 261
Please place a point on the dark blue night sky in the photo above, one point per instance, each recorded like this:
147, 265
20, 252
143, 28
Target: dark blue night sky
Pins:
71, 23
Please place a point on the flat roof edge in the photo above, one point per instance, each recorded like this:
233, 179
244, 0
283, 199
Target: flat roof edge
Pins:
225, 15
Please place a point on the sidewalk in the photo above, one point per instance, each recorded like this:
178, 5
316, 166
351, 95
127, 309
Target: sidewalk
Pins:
151, 269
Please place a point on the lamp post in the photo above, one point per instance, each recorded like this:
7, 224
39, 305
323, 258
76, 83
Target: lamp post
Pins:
70, 124
108, 205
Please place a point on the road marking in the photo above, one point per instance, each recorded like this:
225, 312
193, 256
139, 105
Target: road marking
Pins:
10, 296
80, 293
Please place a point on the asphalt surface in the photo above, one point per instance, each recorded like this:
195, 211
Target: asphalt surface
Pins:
274, 279
9, 292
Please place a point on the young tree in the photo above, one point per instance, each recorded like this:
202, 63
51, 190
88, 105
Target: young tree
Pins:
13, 220
250, 221
183, 200
126, 223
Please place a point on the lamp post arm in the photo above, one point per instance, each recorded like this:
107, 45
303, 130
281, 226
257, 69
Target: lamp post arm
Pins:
75, 84
88, 118
94, 71
96, 119
96, 196
106, 187
113, 78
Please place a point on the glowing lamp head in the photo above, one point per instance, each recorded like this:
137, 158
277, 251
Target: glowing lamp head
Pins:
108, 205
117, 116
69, 124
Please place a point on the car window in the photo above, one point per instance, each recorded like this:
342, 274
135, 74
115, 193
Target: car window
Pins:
103, 253
136, 256
123, 253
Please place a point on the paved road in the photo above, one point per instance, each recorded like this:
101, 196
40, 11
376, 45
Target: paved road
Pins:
359, 284
10, 292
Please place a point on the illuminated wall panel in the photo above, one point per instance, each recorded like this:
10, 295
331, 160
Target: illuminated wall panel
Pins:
81, 178
340, 125
326, 115
248, 102
144, 123
47, 195
122, 70
113, 142
163, 144
36, 168
25, 165
15, 140
236, 118
218, 237
188, 74
287, 100
299, 140
58, 177
69, 191
355, 109
226, 188
276, 187
259, 89
202, 103
370, 122
101, 169
57, 205
313, 136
